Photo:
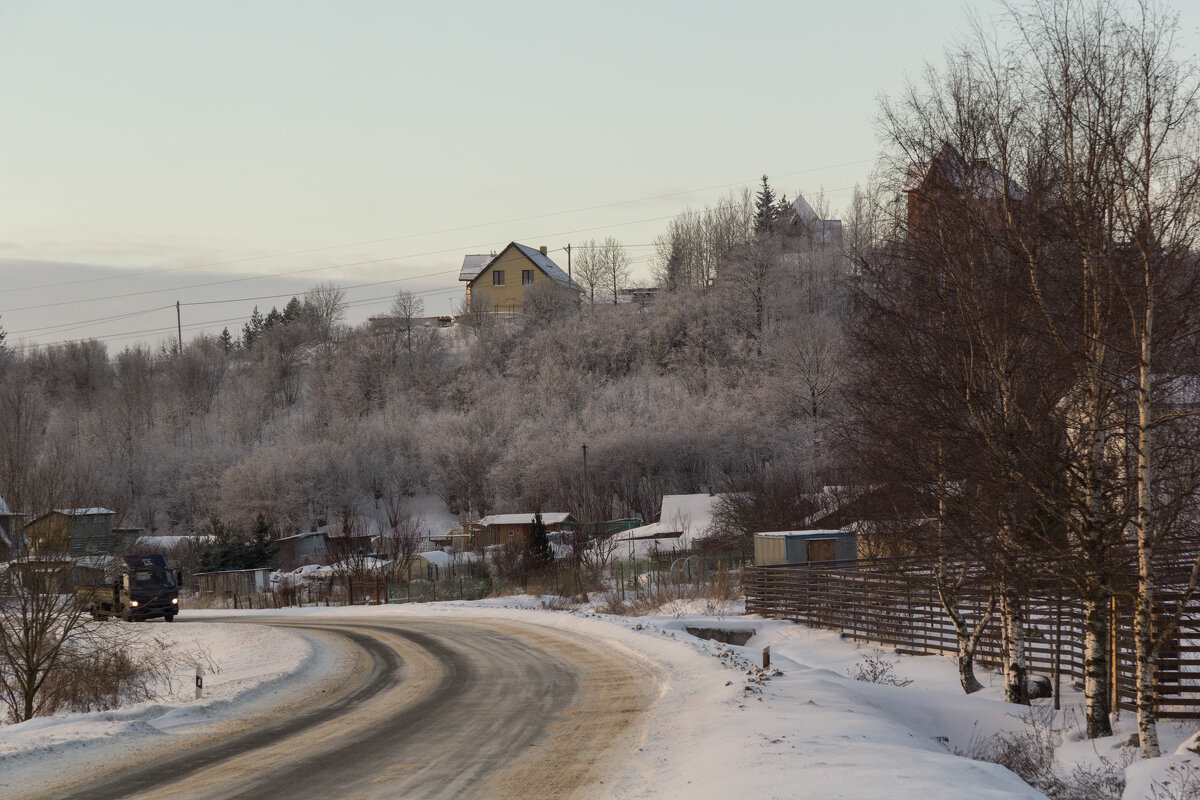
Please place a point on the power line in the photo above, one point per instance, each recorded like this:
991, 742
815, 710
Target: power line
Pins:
124, 335
457, 229
69, 326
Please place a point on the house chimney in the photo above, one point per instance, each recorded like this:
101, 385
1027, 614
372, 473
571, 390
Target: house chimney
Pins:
543, 249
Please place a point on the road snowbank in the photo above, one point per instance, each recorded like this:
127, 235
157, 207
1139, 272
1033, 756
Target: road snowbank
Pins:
723, 727
240, 663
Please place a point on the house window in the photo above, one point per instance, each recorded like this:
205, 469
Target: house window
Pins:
526, 277
512, 533
497, 277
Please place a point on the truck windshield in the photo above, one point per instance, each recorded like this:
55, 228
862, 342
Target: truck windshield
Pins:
153, 578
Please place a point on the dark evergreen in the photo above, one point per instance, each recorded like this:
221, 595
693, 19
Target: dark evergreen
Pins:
227, 549
292, 312
252, 329
540, 554
765, 210
226, 340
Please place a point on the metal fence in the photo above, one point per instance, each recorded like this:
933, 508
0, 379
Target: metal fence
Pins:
898, 605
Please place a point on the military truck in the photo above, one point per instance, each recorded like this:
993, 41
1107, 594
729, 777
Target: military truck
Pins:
143, 589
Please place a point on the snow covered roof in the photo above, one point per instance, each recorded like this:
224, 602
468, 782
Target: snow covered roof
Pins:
473, 265
147, 542
80, 512
685, 517
957, 171
302, 536
549, 518
546, 265
439, 558
787, 534
822, 230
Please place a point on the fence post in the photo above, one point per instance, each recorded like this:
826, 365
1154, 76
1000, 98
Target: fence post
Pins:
1113, 650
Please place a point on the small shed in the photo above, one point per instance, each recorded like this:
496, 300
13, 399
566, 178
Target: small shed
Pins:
239, 582
804, 547
302, 549
434, 565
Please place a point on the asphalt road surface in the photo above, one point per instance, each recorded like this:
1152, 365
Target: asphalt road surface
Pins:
416, 709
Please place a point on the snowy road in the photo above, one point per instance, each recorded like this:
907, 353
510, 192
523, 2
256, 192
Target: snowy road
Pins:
419, 708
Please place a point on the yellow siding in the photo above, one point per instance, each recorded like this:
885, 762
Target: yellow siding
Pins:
482, 295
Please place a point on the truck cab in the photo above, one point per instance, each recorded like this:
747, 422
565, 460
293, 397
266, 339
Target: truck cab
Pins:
144, 589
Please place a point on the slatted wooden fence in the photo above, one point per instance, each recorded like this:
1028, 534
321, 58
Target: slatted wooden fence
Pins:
900, 607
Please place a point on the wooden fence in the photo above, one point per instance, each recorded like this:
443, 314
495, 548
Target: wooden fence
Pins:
900, 607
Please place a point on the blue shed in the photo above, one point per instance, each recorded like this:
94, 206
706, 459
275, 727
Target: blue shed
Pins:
804, 547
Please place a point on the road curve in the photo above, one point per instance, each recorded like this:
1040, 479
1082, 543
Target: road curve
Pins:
424, 709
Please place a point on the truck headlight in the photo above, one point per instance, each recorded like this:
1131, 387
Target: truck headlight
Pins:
133, 603
174, 601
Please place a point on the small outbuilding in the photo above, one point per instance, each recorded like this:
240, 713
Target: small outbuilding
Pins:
240, 582
804, 547
434, 565
302, 549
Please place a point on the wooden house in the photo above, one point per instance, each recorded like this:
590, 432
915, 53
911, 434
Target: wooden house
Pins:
80, 532
513, 529
498, 283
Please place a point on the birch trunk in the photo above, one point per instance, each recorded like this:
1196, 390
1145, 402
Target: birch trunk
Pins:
1012, 646
968, 639
1097, 622
1145, 650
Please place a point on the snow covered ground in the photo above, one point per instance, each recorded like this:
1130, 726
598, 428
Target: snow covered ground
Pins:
240, 664
723, 728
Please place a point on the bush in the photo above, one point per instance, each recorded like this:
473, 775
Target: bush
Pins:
1029, 753
874, 668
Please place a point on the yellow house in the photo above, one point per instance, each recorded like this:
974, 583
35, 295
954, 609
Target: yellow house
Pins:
499, 282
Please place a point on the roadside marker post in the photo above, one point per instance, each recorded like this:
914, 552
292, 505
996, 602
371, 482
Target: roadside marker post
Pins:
767, 657
199, 683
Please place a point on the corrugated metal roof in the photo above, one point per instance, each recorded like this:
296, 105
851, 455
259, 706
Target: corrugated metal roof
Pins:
473, 265
80, 512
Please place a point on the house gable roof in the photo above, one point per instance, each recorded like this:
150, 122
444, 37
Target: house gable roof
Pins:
472, 268
949, 167
473, 265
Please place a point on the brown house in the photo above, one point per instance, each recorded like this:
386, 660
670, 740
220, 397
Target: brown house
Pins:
949, 180
80, 531
11, 535
514, 529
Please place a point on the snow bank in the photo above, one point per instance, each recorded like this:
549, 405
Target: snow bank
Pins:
723, 727
240, 663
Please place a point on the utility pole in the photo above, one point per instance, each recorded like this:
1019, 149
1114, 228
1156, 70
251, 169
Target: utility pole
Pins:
179, 325
569, 266
587, 511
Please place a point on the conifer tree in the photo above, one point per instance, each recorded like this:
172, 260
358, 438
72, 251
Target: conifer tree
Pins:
226, 340
540, 554
764, 208
292, 312
252, 329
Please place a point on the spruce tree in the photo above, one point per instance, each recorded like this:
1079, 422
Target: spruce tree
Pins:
226, 340
292, 312
252, 329
540, 554
764, 209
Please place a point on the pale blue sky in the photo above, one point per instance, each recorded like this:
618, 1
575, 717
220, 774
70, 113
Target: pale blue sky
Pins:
141, 136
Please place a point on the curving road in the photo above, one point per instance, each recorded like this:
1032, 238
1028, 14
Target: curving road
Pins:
419, 709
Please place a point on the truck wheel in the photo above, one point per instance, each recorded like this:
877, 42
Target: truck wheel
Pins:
169, 617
